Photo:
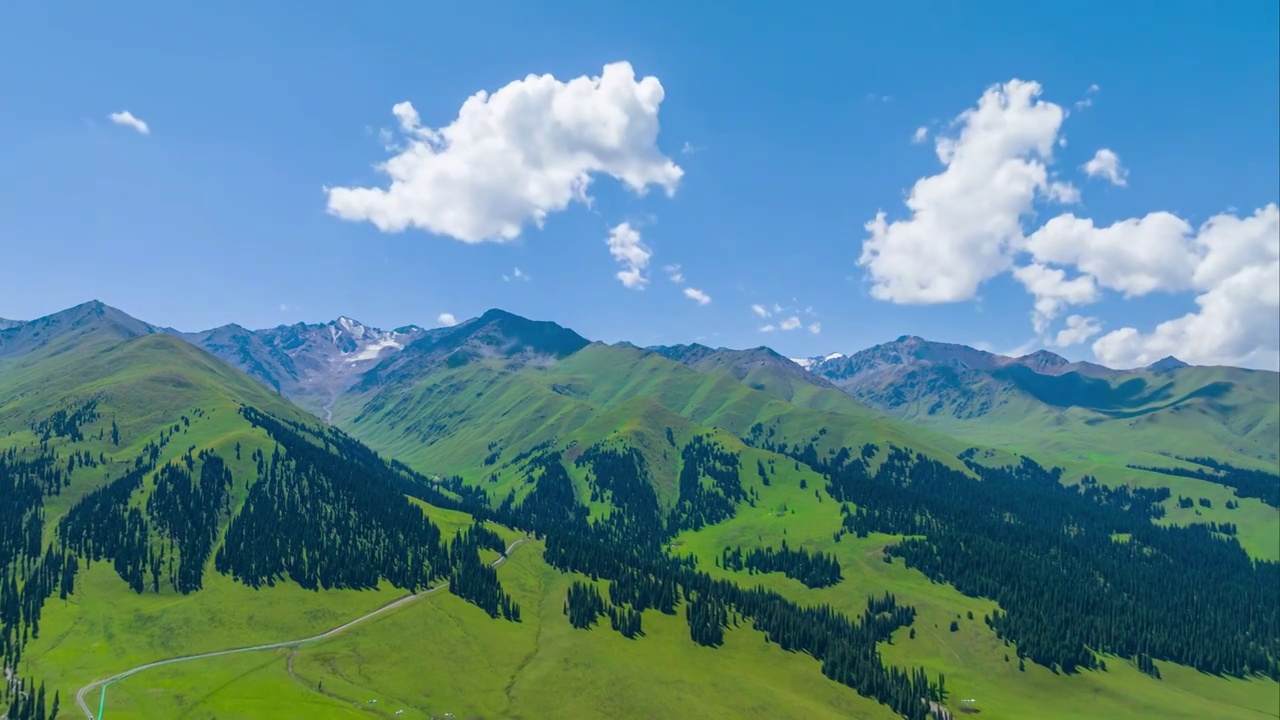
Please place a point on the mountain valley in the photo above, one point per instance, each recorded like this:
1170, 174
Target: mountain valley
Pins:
723, 533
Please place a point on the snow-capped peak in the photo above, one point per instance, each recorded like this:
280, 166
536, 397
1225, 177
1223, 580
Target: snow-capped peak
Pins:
373, 349
810, 363
351, 326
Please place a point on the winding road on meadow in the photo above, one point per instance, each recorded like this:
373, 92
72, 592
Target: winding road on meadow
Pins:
106, 682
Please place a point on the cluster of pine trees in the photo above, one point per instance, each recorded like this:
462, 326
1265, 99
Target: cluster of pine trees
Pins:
187, 510
584, 605
626, 548
66, 422
814, 569
26, 701
1046, 552
699, 505
473, 580
319, 521
1247, 483
29, 573
103, 526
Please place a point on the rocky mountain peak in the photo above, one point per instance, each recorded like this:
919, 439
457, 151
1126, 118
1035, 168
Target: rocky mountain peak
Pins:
1168, 362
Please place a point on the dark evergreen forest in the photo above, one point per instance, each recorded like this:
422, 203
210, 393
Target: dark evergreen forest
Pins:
1077, 570
1247, 483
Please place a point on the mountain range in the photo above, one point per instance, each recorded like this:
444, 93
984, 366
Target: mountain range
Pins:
236, 487
1023, 402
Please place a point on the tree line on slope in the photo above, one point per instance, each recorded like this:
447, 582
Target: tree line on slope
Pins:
1247, 483
814, 569
325, 512
1077, 570
626, 548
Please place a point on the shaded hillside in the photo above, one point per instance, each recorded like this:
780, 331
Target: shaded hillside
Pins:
88, 322
496, 334
494, 388
761, 369
1042, 401
312, 364
215, 513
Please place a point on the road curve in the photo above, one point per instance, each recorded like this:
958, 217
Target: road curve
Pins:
82, 692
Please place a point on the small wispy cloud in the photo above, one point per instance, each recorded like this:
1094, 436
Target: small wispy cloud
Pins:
921, 134
786, 318
516, 274
1106, 164
1087, 100
127, 119
630, 251
674, 273
689, 148
697, 296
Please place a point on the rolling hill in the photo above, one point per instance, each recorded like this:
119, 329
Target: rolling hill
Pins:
1041, 403
709, 533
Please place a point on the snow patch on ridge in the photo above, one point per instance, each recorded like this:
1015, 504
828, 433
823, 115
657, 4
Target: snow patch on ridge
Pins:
373, 349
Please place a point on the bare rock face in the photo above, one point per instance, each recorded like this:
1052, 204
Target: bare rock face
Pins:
310, 364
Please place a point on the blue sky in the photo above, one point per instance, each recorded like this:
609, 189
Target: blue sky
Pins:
791, 130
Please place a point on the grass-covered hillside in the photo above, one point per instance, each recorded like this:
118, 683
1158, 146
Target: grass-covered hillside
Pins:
572, 529
1041, 403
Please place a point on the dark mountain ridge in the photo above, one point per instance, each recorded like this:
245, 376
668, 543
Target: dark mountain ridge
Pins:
68, 325
497, 334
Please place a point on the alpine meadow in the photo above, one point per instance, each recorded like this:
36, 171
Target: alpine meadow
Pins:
592, 454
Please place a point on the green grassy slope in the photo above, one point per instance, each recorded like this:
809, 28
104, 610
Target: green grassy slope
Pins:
1237, 421
452, 419
1231, 414
972, 658
143, 385
146, 385
442, 655
445, 421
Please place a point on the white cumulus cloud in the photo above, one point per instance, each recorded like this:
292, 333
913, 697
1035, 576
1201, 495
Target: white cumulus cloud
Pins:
1135, 256
515, 156
815, 328
127, 119
1106, 164
446, 319
790, 323
976, 219
1078, 329
1053, 291
627, 248
964, 221
760, 310
1237, 281
697, 295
